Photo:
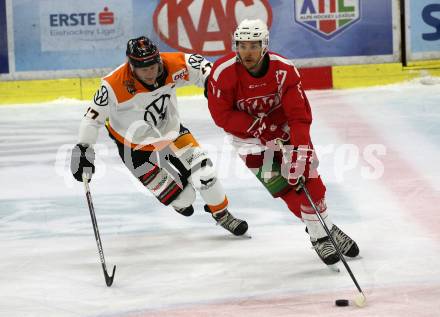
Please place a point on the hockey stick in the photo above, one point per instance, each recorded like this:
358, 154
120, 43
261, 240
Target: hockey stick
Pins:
108, 279
360, 299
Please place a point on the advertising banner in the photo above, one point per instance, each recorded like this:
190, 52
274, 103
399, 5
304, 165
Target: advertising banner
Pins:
423, 29
299, 28
84, 26
82, 34
62, 35
4, 67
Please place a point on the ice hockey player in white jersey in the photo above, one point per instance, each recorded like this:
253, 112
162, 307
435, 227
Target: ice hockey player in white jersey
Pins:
137, 103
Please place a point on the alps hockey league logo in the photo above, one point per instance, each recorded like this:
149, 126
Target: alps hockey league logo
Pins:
327, 18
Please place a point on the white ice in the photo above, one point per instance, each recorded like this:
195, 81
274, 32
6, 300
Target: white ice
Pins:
379, 152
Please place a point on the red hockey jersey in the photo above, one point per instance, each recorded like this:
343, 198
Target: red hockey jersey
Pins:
236, 98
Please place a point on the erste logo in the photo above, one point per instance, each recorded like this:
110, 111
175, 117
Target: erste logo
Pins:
105, 17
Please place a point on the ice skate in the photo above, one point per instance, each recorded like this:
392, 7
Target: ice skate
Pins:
186, 211
325, 250
225, 219
234, 225
347, 245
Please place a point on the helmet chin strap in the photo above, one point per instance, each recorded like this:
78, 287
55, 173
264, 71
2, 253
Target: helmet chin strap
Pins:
263, 52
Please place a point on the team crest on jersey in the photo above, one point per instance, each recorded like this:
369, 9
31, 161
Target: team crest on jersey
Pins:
327, 18
129, 85
259, 105
156, 111
101, 97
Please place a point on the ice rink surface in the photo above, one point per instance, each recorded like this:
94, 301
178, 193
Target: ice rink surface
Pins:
379, 152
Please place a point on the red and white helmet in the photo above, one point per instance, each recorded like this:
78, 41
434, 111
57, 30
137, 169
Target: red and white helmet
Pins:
252, 30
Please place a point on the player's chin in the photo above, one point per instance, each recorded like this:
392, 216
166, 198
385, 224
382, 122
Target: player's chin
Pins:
249, 64
149, 81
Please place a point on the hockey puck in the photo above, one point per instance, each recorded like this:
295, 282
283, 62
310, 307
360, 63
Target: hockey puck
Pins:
341, 302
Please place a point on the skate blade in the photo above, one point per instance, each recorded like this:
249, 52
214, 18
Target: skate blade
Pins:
244, 236
347, 258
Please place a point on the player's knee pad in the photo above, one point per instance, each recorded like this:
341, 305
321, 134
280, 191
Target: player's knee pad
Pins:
203, 175
185, 198
161, 184
199, 168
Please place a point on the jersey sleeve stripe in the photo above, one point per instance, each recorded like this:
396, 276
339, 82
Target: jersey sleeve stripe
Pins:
274, 57
223, 66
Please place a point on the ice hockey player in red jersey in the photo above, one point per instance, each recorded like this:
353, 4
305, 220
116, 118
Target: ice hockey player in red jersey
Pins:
138, 105
256, 96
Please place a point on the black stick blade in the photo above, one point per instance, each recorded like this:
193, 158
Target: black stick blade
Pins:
109, 279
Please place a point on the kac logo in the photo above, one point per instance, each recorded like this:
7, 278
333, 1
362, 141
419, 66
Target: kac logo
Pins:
259, 105
205, 26
327, 18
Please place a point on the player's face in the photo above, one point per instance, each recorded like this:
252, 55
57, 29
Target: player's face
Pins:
250, 54
147, 74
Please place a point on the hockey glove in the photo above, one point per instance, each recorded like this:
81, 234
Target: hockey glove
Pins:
266, 131
82, 162
303, 162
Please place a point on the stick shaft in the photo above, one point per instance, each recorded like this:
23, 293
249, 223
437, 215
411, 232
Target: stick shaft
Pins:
108, 279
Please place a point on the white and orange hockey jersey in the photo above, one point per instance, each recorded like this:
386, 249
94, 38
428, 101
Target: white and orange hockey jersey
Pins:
135, 115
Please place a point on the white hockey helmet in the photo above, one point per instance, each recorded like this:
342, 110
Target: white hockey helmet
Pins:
252, 30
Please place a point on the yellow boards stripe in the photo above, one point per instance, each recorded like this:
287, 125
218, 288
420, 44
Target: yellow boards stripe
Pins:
35, 91
368, 75
380, 74
32, 91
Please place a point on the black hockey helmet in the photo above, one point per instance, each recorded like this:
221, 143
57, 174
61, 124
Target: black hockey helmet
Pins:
142, 52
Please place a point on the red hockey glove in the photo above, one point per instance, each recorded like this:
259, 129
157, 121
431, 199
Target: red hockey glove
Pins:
266, 131
303, 163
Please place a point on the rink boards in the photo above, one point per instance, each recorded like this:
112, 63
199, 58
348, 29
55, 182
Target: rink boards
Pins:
325, 77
